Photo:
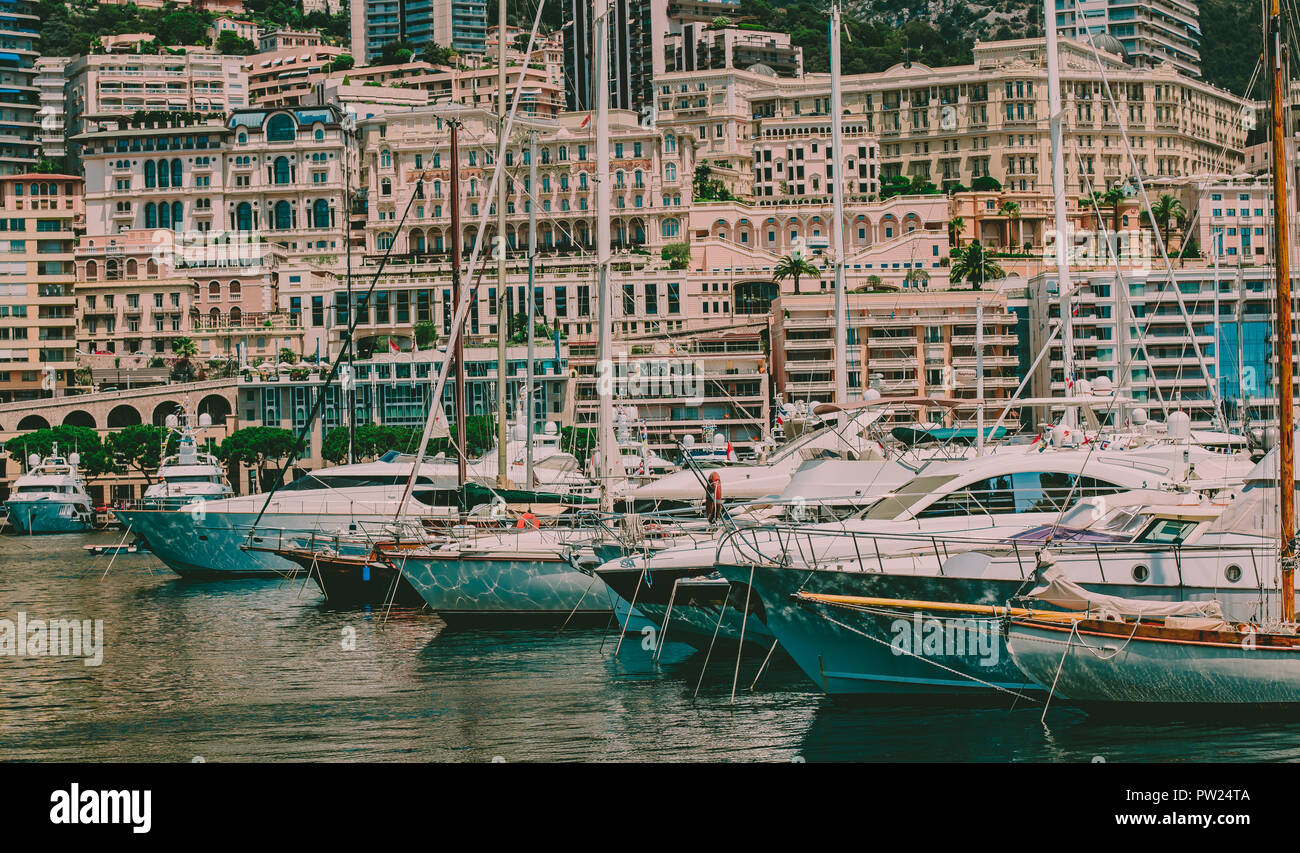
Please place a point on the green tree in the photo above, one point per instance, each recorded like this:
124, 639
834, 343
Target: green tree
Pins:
230, 44
678, 255
985, 184
139, 447
1011, 210
96, 459
436, 54
288, 356
971, 263
426, 334
956, 227
257, 447
185, 349
794, 267
343, 62
1167, 211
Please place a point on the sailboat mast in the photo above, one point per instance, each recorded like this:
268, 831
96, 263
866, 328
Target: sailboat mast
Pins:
532, 263
458, 350
1056, 117
605, 443
838, 177
503, 321
1285, 386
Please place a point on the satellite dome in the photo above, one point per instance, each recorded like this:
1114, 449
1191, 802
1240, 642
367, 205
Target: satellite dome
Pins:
760, 68
1108, 43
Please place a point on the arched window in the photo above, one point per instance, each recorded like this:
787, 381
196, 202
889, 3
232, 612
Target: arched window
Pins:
177, 181
164, 174
236, 289
151, 214
670, 171
320, 213
384, 240
670, 228
164, 215
132, 268
214, 290
178, 215
385, 160
150, 174
417, 241
280, 128
283, 216
151, 269
235, 316
670, 144
281, 170
244, 217
92, 271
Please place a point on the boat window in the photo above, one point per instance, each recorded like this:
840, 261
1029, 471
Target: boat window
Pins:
1167, 531
983, 497
349, 481
909, 494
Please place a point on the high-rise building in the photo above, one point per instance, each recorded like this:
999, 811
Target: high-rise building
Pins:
637, 29
458, 24
49, 80
1149, 31
19, 99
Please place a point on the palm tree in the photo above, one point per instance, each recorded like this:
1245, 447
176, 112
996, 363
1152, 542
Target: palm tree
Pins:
956, 226
1011, 210
971, 263
795, 267
185, 349
1112, 198
1167, 209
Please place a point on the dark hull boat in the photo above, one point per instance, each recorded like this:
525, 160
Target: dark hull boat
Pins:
355, 580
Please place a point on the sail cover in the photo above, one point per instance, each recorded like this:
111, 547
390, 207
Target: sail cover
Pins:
1059, 590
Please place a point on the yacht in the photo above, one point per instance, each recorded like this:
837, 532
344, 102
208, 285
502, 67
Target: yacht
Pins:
51, 497
187, 475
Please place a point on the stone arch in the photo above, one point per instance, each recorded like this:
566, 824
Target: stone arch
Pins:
79, 417
215, 405
861, 232
163, 409
911, 222
122, 416
33, 422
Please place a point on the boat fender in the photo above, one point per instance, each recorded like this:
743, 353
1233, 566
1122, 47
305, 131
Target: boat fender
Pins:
527, 520
713, 497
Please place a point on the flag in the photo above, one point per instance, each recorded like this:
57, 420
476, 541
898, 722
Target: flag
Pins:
392, 346
731, 452
440, 429
585, 121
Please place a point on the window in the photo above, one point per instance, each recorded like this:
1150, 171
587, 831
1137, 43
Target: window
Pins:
281, 171
320, 213
244, 217
283, 216
280, 128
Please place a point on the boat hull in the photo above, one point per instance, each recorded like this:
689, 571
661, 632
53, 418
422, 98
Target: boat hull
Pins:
705, 611
45, 516
1103, 670
356, 582
492, 589
878, 653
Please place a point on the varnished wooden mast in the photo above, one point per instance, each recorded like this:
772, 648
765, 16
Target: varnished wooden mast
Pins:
1285, 387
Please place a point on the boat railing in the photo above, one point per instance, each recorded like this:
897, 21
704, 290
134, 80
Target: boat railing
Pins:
787, 545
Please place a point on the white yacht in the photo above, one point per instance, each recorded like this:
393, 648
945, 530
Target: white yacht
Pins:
51, 497
187, 475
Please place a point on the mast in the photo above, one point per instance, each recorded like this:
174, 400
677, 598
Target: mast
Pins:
503, 322
1285, 383
837, 229
606, 446
1055, 119
349, 390
532, 263
979, 371
458, 349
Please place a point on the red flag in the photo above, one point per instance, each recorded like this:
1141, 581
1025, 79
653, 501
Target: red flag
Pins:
731, 452
392, 346
585, 120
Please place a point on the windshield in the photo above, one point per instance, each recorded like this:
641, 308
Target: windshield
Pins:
908, 495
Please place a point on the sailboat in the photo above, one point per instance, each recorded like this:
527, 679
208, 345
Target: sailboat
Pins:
1118, 654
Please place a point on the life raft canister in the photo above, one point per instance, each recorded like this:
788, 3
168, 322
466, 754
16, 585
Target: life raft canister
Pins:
713, 497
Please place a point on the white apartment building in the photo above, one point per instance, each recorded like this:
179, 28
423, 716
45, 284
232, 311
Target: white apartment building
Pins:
50, 75
1149, 32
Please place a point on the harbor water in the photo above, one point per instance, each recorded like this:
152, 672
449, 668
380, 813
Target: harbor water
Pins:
259, 670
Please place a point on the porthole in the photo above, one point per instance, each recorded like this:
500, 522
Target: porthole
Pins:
1232, 573
1141, 573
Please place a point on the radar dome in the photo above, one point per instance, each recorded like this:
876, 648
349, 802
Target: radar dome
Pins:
74, 459
33, 460
205, 420
761, 68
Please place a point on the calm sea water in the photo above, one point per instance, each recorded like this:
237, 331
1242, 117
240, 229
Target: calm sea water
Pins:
257, 671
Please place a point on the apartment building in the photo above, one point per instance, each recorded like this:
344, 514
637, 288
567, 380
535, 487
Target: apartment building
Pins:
49, 81
287, 75
458, 24
247, 30
906, 343
418, 83
955, 124
1218, 343
276, 174
1149, 32
40, 218
1235, 220
794, 159
102, 88
706, 45
20, 129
